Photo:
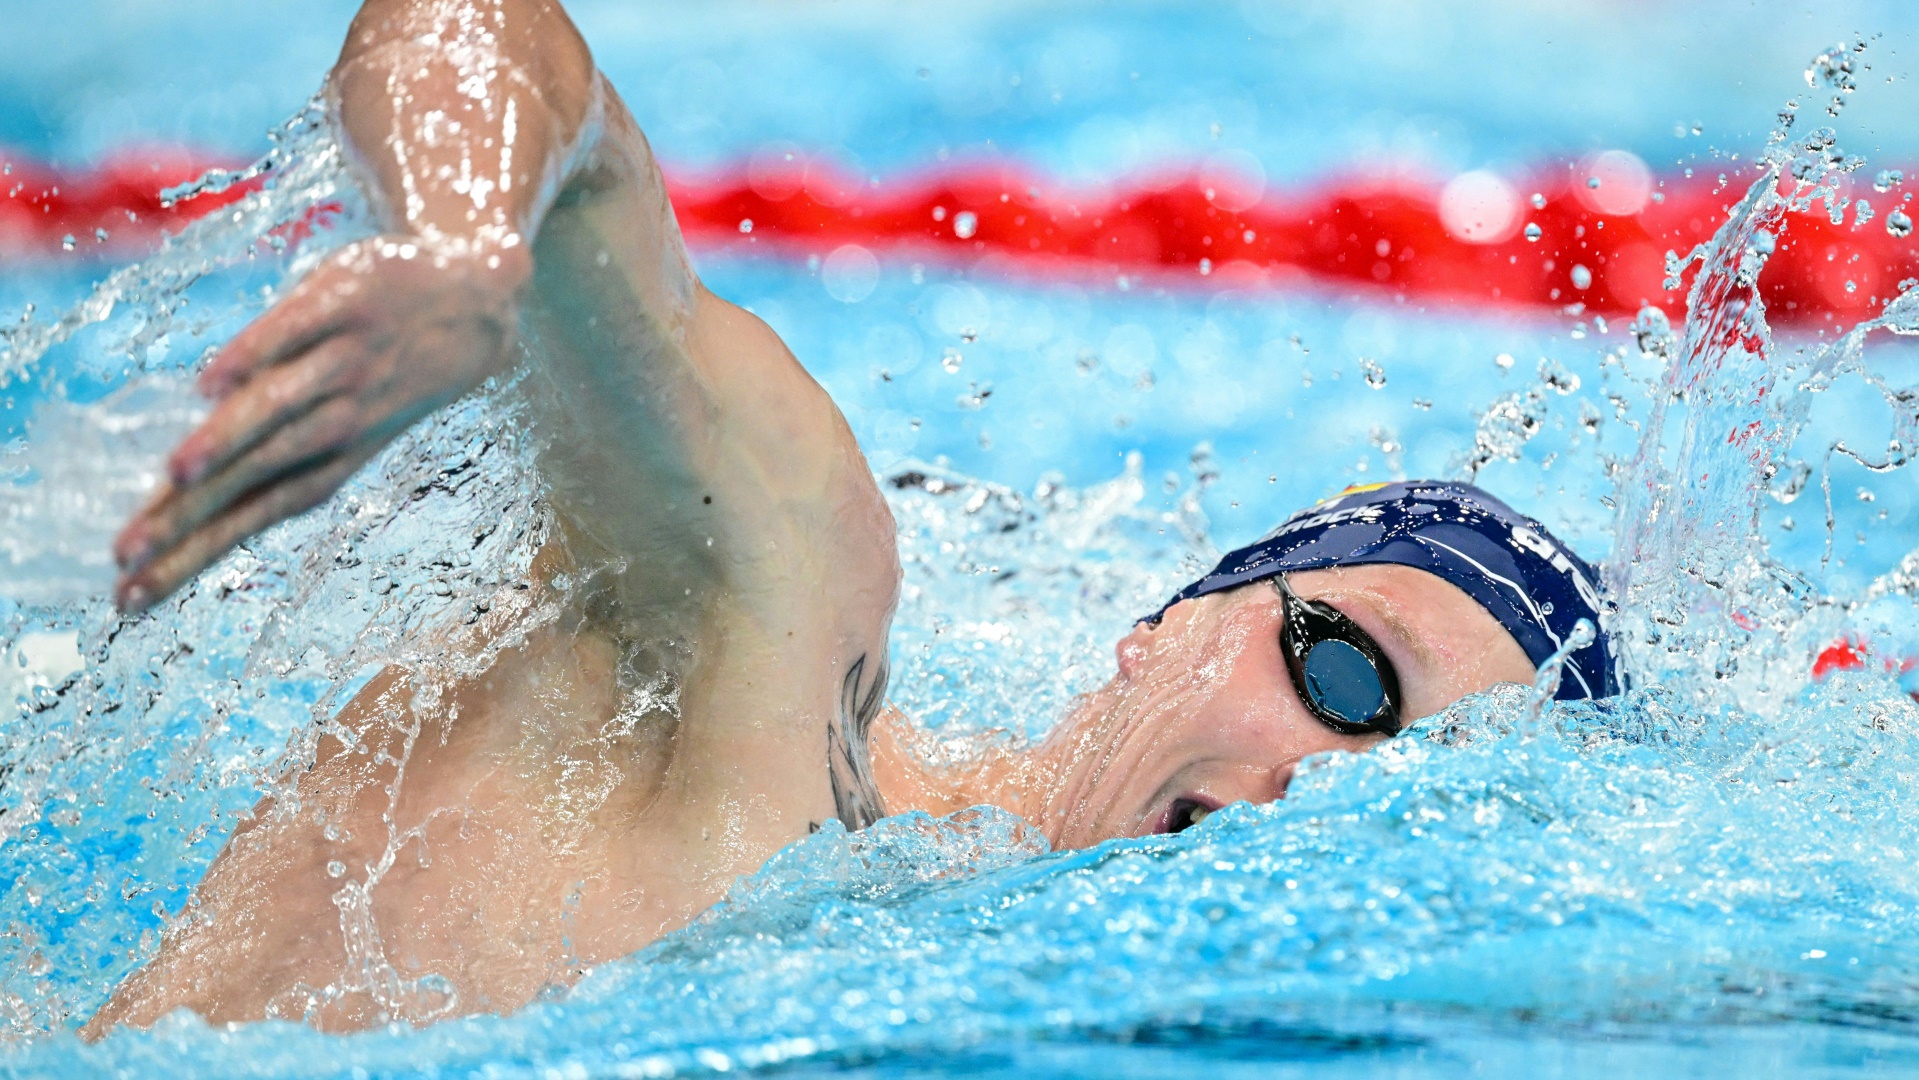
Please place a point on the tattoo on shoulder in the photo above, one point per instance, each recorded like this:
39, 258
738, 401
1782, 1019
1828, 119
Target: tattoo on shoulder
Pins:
856, 798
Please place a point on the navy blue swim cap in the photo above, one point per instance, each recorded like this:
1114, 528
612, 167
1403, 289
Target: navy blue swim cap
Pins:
1534, 585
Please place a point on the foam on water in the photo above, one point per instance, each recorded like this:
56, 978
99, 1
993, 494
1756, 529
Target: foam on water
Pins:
1717, 865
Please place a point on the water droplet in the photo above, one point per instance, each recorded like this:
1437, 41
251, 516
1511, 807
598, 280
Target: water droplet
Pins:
67, 242
965, 224
1205, 267
1898, 223
951, 361
1539, 200
1534, 232
100, 235
1504, 360
1375, 375
1861, 211
976, 397
1887, 180
1852, 286
1589, 417
1592, 182
1581, 277
1554, 375
1247, 236
1423, 404
968, 334
939, 213
336, 868
746, 225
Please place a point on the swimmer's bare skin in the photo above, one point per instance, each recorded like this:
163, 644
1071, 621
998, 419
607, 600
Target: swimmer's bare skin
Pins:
530, 832
685, 442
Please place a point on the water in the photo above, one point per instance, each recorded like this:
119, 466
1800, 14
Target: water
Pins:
1711, 873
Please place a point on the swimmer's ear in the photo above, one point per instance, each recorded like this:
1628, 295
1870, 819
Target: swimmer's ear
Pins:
302, 319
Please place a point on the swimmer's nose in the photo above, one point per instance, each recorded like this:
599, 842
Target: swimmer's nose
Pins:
1137, 647
1134, 648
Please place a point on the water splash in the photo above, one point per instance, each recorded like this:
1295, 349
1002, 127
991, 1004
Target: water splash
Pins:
1703, 608
1658, 865
305, 189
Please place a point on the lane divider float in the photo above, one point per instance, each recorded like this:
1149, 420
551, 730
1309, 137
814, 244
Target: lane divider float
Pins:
1586, 237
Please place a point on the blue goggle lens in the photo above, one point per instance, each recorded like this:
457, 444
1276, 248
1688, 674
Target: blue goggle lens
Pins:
1341, 680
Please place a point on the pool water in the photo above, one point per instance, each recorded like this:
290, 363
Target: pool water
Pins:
1712, 873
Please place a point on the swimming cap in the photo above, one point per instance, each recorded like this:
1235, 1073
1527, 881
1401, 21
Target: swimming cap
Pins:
1534, 585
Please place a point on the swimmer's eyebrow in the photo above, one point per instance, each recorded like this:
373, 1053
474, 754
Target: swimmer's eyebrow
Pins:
1427, 657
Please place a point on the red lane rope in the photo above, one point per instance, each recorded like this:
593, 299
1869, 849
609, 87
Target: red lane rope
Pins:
1389, 237
113, 209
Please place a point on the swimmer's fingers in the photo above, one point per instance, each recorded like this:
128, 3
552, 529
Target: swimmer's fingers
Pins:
137, 590
314, 310
314, 438
268, 402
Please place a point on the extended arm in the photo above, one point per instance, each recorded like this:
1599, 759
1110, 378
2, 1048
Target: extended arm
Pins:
520, 204
692, 463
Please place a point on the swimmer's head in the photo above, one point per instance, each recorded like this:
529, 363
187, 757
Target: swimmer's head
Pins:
1358, 615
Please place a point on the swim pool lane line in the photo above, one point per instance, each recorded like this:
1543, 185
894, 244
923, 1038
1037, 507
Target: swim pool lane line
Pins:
1394, 238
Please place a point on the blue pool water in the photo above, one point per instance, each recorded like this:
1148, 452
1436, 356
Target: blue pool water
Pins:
1713, 874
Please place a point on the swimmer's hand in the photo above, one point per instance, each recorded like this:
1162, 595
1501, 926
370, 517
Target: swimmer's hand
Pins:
384, 332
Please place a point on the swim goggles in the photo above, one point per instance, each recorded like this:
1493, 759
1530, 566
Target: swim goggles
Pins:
1339, 670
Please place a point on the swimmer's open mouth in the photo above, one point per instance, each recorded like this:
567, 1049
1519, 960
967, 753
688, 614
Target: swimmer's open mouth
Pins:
1189, 810
1184, 814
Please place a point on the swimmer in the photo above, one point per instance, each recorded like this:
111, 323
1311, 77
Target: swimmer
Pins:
725, 548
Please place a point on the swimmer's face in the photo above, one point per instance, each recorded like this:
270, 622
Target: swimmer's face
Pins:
1203, 712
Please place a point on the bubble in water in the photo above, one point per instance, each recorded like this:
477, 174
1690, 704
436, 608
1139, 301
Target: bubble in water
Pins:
1592, 182
1534, 232
969, 335
1861, 212
336, 868
1887, 180
1899, 224
1375, 375
950, 360
1504, 360
67, 242
1539, 200
1582, 277
746, 225
965, 224
100, 235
